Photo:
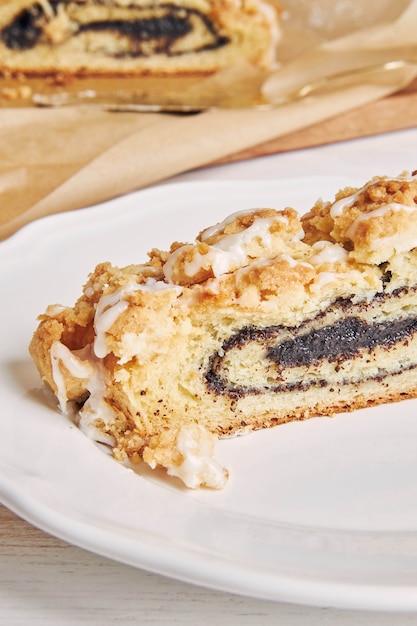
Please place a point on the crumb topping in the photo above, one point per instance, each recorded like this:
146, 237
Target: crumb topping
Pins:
373, 223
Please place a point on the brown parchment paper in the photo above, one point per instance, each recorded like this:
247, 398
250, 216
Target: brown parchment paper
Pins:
60, 159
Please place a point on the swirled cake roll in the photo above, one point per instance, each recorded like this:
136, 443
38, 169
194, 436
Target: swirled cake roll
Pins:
265, 318
134, 37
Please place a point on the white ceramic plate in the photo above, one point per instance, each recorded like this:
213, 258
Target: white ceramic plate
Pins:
322, 512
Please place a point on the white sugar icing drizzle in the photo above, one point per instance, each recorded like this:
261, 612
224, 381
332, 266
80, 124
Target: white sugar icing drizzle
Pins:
151, 284
231, 251
96, 408
379, 212
112, 305
262, 263
328, 252
340, 205
323, 278
78, 368
199, 466
219, 261
109, 308
217, 228
89, 370
54, 309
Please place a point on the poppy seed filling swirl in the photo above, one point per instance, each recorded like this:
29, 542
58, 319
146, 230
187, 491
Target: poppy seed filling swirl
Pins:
156, 32
284, 349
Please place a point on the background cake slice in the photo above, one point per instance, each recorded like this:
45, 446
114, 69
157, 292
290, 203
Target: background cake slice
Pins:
265, 318
134, 37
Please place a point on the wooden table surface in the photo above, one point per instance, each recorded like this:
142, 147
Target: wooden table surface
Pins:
44, 581
398, 112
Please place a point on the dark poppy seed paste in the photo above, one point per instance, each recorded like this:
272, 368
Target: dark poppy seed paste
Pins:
150, 35
315, 346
